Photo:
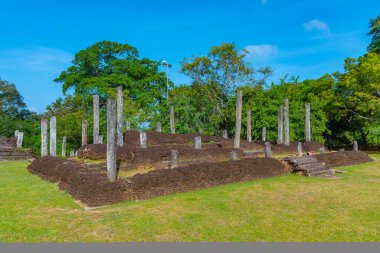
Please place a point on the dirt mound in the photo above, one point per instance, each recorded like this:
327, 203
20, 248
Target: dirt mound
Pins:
343, 158
136, 156
309, 146
162, 182
92, 187
155, 138
8, 142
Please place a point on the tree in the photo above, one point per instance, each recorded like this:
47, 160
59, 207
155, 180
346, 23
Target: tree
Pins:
102, 67
15, 116
218, 74
374, 26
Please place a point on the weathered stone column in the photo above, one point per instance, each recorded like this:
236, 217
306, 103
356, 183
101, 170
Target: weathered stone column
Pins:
280, 138
249, 126
44, 137
100, 140
239, 105
233, 156
174, 159
159, 127
287, 123
16, 133
111, 140
64, 146
128, 126
225, 134
267, 150
72, 153
322, 150
53, 136
299, 149
20, 139
172, 121
356, 146
120, 113
84, 133
96, 119
264, 134
198, 142
307, 122
143, 140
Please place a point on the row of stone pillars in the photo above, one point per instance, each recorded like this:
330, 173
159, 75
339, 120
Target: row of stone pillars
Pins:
283, 123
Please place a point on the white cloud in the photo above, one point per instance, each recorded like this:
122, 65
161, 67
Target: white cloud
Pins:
262, 52
264, 1
316, 24
35, 58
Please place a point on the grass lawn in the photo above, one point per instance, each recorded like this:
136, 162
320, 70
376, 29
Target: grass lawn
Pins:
288, 208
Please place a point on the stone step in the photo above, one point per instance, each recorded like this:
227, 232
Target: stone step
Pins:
322, 173
310, 166
13, 154
314, 170
14, 157
308, 160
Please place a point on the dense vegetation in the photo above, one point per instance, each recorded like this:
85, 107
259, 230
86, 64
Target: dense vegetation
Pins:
345, 106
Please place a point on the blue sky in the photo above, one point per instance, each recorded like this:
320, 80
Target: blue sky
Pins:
302, 38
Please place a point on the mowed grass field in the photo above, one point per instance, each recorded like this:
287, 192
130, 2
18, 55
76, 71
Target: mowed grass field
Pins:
283, 209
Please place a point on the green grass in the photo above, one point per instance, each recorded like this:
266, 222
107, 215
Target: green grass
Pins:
288, 208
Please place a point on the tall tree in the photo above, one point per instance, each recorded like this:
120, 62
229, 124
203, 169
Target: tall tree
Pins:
218, 74
374, 26
102, 67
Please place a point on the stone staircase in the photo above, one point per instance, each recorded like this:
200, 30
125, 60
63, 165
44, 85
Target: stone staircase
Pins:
10, 153
310, 167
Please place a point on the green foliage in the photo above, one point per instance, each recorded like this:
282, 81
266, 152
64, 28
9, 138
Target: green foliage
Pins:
218, 74
102, 67
15, 116
374, 27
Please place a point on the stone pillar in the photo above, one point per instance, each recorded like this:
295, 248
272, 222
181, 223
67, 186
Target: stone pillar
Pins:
264, 134
72, 153
198, 142
143, 140
128, 126
172, 122
64, 146
53, 136
322, 150
307, 122
287, 123
174, 159
299, 149
267, 150
225, 134
233, 156
159, 127
96, 119
280, 138
76, 153
249, 126
111, 140
84, 132
100, 139
16, 133
44, 137
20, 139
356, 146
120, 113
239, 105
